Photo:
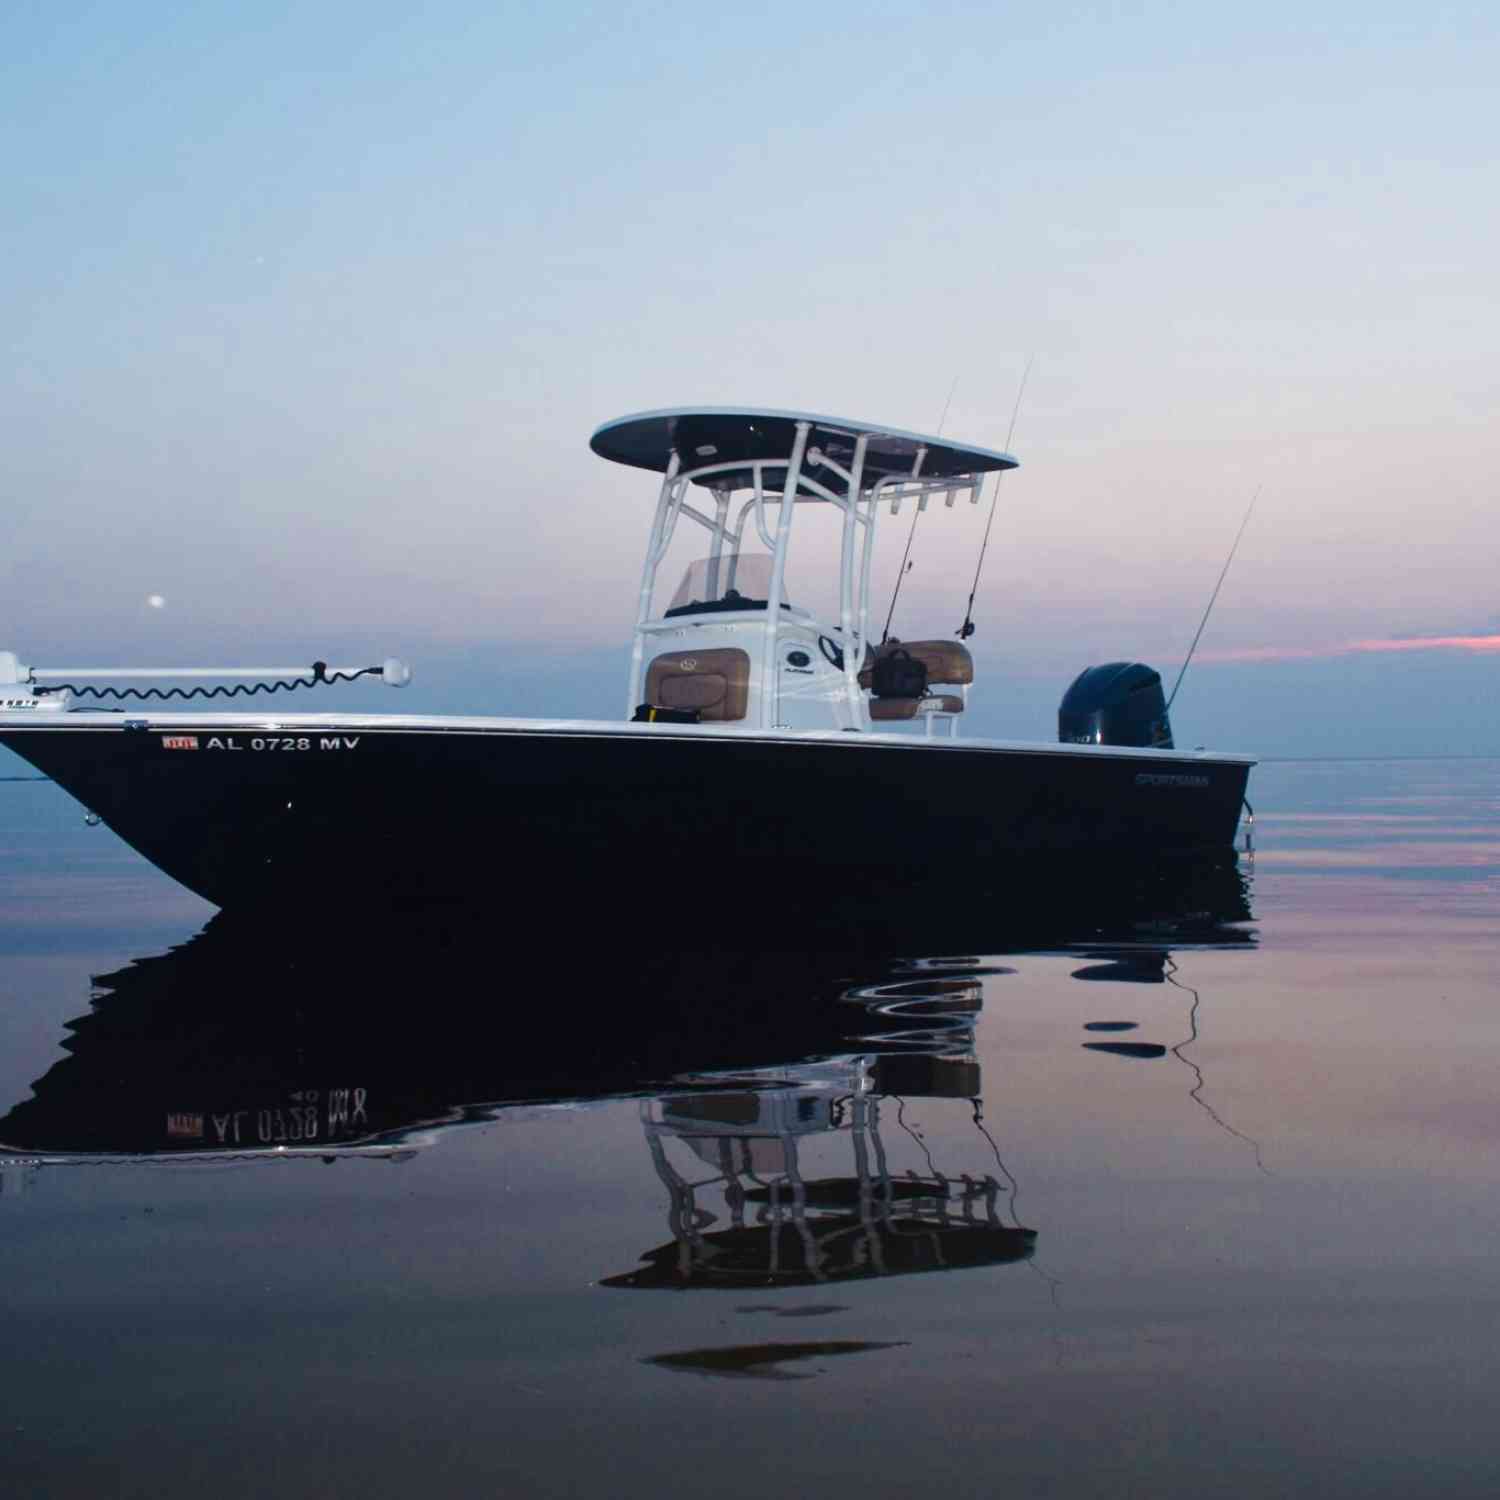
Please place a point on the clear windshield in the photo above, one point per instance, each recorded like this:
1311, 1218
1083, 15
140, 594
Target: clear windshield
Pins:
737, 580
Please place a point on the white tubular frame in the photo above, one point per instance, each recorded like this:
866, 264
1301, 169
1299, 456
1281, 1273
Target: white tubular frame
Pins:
846, 490
656, 547
778, 575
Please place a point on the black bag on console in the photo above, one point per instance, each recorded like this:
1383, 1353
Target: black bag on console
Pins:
899, 674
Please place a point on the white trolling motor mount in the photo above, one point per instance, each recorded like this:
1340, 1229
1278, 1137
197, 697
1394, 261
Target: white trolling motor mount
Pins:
22, 688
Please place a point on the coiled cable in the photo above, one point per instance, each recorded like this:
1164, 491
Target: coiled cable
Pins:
320, 676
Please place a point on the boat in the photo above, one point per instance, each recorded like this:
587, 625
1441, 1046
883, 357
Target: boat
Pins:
763, 741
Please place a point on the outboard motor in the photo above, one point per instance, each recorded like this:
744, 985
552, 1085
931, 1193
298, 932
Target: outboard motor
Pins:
1120, 703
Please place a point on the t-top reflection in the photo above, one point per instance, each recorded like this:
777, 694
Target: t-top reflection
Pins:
786, 1227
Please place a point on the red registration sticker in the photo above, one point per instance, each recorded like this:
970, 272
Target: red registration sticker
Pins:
179, 742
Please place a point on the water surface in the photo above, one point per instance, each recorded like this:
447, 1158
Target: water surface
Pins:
1201, 1202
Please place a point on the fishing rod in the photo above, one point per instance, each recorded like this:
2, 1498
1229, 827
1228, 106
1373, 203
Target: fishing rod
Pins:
967, 629
1224, 573
885, 634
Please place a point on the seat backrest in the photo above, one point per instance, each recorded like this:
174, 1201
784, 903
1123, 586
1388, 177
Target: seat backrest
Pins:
715, 682
947, 662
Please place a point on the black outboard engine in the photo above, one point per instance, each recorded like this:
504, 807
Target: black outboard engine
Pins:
1120, 703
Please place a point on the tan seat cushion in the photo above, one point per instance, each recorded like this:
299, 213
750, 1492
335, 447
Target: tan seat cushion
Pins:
947, 662
911, 708
715, 682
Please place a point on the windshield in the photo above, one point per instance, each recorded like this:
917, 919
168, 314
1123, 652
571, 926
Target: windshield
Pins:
736, 580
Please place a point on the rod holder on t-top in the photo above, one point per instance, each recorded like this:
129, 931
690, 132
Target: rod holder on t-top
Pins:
53, 688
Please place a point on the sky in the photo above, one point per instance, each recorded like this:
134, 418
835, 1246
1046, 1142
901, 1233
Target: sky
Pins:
310, 311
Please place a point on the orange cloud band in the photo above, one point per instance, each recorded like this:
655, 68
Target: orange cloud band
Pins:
1474, 644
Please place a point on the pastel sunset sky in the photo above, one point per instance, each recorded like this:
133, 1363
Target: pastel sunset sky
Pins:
309, 311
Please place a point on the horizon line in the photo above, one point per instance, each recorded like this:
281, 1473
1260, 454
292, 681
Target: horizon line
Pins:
1472, 645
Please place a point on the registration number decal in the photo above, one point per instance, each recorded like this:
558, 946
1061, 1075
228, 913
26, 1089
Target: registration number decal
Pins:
306, 1116
260, 742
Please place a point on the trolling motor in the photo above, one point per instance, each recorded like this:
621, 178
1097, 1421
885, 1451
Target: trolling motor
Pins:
21, 687
1120, 703
16, 693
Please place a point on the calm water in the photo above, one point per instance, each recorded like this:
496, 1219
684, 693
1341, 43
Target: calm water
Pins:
1178, 1206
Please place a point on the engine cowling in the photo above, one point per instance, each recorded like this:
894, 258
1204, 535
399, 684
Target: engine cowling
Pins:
1120, 703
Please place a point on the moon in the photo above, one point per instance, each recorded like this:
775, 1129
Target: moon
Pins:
156, 601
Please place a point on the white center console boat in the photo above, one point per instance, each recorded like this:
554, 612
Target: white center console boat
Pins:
761, 741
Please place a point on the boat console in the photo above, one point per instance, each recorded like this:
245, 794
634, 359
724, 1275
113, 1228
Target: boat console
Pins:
769, 663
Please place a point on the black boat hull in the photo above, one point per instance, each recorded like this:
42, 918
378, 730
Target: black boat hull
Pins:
255, 813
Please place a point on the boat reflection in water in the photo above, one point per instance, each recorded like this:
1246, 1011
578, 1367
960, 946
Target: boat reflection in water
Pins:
231, 1044
751, 1068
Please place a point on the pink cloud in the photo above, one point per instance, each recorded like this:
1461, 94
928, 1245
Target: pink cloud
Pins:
1477, 645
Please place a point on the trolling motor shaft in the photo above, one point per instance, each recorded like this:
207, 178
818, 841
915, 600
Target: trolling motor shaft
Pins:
21, 687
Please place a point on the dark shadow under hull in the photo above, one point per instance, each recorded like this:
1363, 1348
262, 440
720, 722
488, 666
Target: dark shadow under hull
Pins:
332, 1032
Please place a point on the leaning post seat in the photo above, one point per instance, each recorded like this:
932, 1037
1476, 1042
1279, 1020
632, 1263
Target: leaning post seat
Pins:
715, 682
916, 708
948, 664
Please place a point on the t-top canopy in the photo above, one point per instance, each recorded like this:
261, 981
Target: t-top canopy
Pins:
720, 435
